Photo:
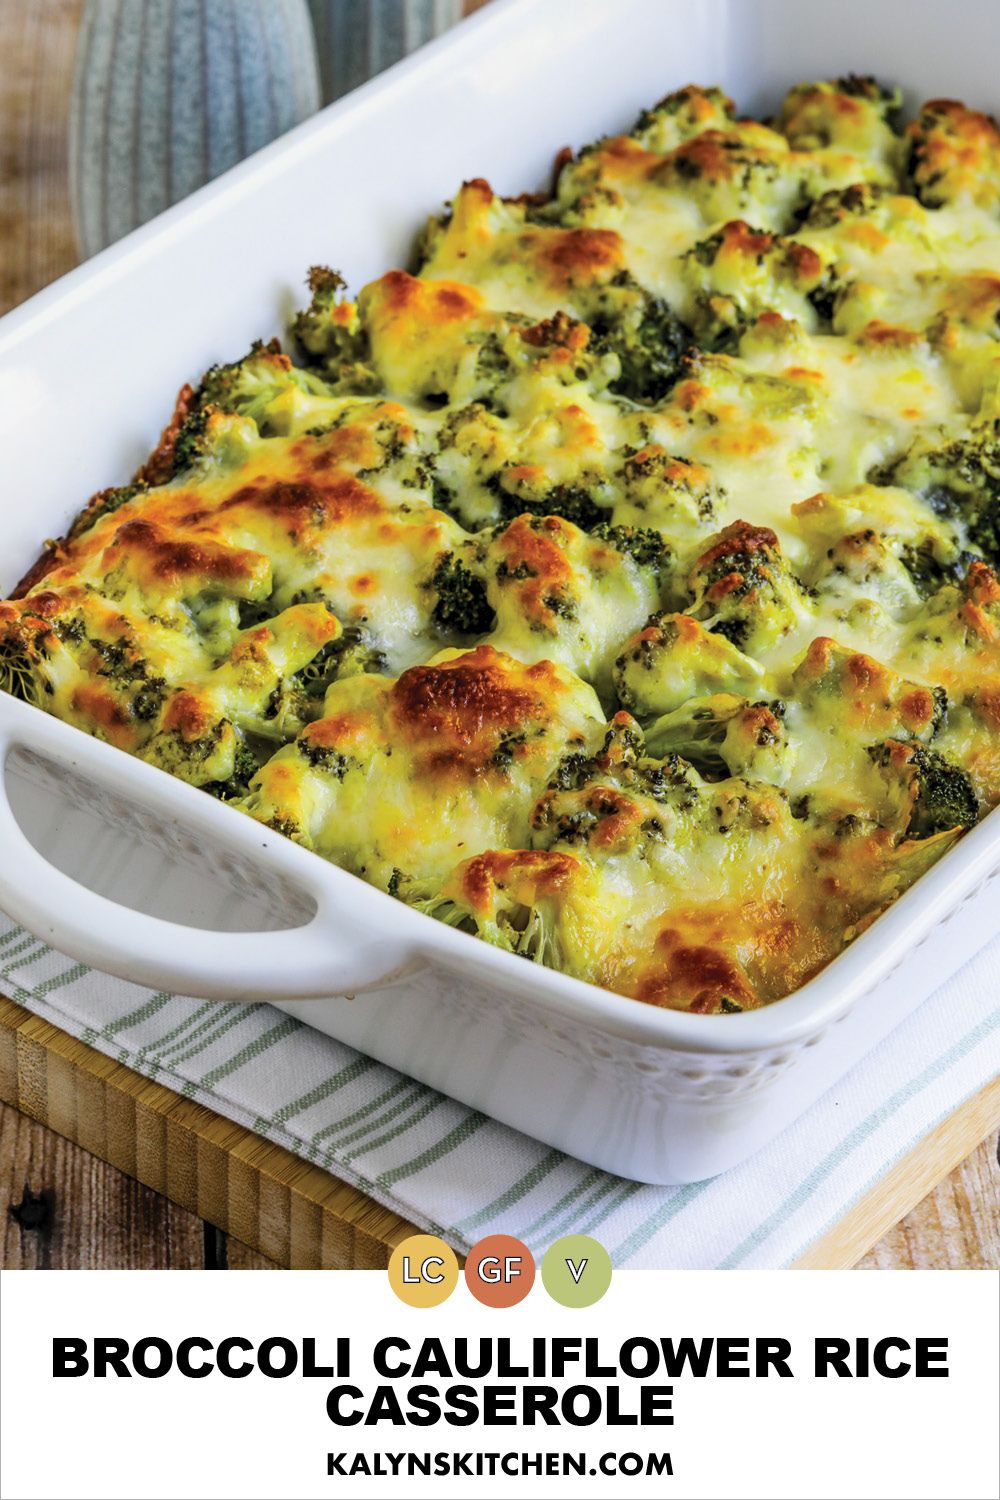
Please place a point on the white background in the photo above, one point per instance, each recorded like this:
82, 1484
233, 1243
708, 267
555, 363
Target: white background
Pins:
929, 1439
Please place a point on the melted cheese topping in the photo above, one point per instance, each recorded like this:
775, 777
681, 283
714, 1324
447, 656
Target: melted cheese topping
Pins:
414, 774
619, 587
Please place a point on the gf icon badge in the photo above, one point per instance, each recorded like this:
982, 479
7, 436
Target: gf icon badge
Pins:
500, 1271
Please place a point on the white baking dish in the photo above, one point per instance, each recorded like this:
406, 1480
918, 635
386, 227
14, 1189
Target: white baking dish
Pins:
100, 850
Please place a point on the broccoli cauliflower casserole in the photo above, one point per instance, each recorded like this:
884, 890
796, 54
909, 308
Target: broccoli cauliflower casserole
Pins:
618, 584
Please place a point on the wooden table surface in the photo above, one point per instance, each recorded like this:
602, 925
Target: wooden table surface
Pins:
60, 1206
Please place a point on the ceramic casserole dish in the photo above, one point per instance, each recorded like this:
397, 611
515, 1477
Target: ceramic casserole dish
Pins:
131, 871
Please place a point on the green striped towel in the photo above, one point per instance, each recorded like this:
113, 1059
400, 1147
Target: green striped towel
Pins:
452, 1170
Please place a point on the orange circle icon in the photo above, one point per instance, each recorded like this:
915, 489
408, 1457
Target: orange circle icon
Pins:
500, 1270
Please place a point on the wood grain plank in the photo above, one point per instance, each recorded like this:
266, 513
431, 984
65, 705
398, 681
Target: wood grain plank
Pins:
956, 1226
240, 1257
907, 1184
98, 1218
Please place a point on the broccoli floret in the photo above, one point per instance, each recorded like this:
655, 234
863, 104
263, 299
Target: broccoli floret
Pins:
324, 757
684, 112
351, 653
235, 386
121, 664
620, 803
312, 326
674, 658
606, 818
104, 503
742, 168
265, 387
855, 202
652, 353
646, 547
851, 114
953, 156
207, 760
941, 794
946, 798
208, 431
864, 86
743, 585
315, 677
462, 607
190, 445
648, 337
726, 736
741, 271
674, 495
245, 764
329, 334
826, 297
927, 570
31, 650
210, 436
623, 762
958, 479
243, 387
566, 595
696, 731
17, 673
984, 531
569, 501
620, 752
851, 693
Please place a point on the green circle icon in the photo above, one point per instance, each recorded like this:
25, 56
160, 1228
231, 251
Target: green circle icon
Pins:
576, 1270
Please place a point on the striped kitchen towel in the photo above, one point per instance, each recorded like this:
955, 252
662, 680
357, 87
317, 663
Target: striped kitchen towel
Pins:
452, 1170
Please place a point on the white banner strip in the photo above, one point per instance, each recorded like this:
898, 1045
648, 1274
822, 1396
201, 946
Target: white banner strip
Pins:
814, 1386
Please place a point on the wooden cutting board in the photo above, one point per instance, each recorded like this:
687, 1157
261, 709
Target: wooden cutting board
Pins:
299, 1215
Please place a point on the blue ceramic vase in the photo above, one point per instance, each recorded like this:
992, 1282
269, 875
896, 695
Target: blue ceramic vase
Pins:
169, 93
356, 39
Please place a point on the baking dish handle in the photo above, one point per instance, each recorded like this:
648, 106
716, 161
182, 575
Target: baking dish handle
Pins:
327, 956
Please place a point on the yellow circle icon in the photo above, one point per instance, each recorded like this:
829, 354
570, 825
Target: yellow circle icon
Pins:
423, 1270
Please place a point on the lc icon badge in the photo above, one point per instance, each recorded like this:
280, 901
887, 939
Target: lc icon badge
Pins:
500, 1271
423, 1270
